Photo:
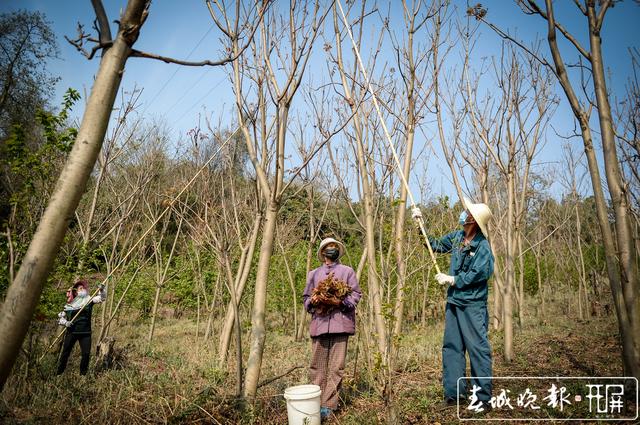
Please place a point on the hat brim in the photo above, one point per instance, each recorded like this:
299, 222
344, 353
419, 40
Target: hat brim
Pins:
325, 242
81, 283
474, 211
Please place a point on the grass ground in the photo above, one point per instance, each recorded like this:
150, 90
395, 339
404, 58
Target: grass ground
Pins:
179, 380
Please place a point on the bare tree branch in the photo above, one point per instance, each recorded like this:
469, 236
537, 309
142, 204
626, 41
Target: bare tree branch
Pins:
166, 59
582, 9
78, 43
275, 378
567, 34
327, 138
508, 37
104, 31
603, 9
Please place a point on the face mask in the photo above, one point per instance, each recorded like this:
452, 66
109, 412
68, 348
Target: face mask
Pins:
463, 218
82, 293
331, 253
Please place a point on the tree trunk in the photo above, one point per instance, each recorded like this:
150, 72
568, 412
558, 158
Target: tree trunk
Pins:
161, 274
521, 309
154, 313
113, 311
212, 311
536, 252
399, 240
629, 301
497, 277
198, 318
582, 287
23, 295
313, 236
410, 128
627, 282
507, 298
242, 275
375, 295
258, 331
103, 313
225, 263
303, 312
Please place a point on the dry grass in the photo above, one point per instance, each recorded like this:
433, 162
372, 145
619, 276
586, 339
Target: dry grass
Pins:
179, 380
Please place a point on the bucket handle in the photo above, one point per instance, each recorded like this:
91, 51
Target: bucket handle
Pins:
304, 413
298, 410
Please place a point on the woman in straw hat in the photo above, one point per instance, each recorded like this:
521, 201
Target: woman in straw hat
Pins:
466, 315
76, 317
333, 320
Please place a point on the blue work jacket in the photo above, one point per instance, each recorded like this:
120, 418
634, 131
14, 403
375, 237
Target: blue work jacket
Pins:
471, 265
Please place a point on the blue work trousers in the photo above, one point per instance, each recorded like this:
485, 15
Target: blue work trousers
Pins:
465, 330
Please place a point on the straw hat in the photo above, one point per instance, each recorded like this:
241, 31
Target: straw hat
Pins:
480, 213
327, 241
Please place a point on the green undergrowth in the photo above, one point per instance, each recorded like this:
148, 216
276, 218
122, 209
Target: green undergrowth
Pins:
178, 378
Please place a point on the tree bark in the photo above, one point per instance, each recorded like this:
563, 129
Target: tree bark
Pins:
621, 264
518, 253
507, 294
624, 237
212, 309
582, 287
313, 234
242, 275
154, 311
258, 331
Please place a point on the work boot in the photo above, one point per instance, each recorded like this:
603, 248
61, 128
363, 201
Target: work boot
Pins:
325, 413
451, 402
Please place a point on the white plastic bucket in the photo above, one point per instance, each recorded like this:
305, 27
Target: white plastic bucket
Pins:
303, 404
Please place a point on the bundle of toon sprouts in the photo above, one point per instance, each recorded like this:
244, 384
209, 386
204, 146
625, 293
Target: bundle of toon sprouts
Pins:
330, 293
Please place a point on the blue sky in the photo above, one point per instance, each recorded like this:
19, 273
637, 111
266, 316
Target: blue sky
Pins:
183, 29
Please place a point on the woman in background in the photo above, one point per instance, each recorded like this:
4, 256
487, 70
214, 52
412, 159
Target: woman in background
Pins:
333, 321
78, 329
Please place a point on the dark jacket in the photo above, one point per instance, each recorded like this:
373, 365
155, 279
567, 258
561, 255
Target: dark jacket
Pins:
471, 265
82, 324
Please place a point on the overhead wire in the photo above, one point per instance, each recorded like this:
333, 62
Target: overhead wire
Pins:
164, 86
197, 102
186, 92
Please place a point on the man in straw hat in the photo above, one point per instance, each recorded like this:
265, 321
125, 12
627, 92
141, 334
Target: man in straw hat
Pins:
331, 296
466, 316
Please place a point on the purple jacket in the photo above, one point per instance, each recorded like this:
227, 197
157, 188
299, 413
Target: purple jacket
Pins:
339, 320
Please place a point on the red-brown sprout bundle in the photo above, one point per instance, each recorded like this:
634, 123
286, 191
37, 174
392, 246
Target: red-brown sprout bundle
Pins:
329, 294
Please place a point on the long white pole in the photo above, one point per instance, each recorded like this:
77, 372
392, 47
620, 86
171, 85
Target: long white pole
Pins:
386, 133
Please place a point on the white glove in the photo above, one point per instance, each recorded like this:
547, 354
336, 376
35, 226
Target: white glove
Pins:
445, 279
416, 214
102, 296
64, 322
62, 315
